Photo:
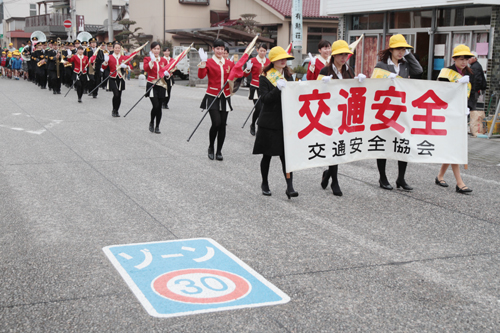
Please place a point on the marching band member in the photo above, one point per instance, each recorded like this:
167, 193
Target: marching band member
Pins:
153, 66
170, 80
269, 139
54, 57
461, 56
217, 69
27, 51
398, 60
80, 63
89, 52
254, 67
106, 72
48, 52
96, 61
41, 63
116, 83
336, 69
316, 64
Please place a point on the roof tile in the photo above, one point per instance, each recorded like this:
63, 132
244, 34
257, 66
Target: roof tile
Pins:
310, 8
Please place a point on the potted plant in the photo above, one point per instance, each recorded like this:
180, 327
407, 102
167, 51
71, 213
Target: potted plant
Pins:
299, 71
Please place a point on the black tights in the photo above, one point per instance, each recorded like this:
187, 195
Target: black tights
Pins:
381, 170
117, 98
156, 110
264, 170
218, 129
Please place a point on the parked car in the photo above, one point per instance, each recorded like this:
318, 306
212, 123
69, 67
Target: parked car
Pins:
183, 65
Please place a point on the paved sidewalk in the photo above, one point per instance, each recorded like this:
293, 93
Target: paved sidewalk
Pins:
74, 180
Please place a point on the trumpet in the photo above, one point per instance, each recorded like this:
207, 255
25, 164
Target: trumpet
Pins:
41, 63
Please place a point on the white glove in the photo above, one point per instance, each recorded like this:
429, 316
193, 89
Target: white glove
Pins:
361, 77
166, 74
102, 70
106, 57
467, 112
232, 59
326, 79
407, 52
249, 65
203, 55
69, 53
152, 55
464, 79
281, 84
123, 65
392, 76
312, 62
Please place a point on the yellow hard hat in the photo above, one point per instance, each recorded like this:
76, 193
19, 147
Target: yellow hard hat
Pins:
340, 47
398, 41
462, 50
11, 44
278, 53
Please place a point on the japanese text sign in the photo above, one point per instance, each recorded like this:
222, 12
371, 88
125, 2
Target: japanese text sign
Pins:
190, 276
343, 121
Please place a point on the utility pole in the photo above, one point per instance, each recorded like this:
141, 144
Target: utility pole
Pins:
297, 30
110, 21
73, 20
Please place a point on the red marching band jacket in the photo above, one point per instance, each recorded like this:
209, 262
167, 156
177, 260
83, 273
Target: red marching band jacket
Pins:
256, 71
157, 71
318, 67
80, 64
113, 64
216, 78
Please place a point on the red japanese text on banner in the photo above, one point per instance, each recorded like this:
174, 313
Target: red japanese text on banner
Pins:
344, 121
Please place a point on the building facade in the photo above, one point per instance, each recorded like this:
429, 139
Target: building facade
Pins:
433, 28
173, 19
12, 14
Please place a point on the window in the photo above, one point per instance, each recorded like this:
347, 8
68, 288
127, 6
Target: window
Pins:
452, 17
32, 9
195, 2
365, 22
316, 34
413, 19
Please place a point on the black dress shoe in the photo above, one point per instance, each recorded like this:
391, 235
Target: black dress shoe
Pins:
59, 92
385, 186
403, 185
463, 189
151, 127
440, 182
54, 92
219, 157
252, 129
336, 190
94, 96
166, 107
157, 130
79, 100
265, 190
291, 194
211, 153
325, 179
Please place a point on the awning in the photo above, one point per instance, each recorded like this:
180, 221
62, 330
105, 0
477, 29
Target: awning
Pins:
208, 35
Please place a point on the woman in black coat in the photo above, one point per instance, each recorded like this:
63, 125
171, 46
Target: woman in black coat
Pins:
461, 55
269, 139
400, 62
336, 69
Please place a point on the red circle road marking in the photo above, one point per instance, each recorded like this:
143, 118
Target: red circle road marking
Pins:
160, 286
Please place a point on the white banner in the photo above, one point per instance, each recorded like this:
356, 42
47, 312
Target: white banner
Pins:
343, 121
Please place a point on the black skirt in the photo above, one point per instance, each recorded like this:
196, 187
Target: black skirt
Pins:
82, 77
269, 142
157, 91
219, 105
254, 93
118, 84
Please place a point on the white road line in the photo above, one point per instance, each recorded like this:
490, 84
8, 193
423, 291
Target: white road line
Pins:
188, 248
124, 255
165, 256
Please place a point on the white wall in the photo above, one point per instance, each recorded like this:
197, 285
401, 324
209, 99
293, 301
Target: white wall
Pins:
335, 7
96, 11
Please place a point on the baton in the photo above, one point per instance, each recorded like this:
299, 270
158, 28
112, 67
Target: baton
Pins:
251, 112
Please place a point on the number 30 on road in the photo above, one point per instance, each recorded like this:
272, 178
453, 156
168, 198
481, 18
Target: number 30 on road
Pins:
202, 286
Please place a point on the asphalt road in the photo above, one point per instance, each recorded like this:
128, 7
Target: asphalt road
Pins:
74, 180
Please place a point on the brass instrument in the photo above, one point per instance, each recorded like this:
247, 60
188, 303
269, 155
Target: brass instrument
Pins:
41, 63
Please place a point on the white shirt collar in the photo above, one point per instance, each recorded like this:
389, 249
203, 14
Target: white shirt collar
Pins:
396, 67
218, 61
338, 73
261, 60
323, 61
